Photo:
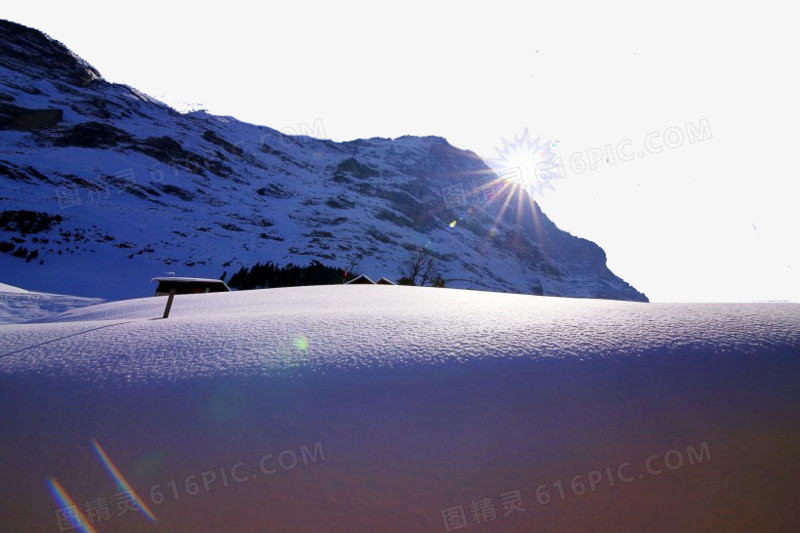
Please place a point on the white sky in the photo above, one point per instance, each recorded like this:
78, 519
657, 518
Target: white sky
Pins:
714, 220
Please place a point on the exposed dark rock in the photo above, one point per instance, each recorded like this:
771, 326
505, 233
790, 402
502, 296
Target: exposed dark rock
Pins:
356, 169
131, 187
253, 220
229, 147
24, 222
394, 218
27, 50
25, 174
269, 150
339, 203
419, 213
170, 152
92, 135
20, 252
94, 106
379, 236
174, 190
274, 190
229, 226
23, 119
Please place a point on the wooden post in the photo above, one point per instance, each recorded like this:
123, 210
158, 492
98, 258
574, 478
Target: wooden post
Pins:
169, 303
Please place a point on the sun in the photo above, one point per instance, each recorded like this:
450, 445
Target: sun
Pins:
523, 169
525, 164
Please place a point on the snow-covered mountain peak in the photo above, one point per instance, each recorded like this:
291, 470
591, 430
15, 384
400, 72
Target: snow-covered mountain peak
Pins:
104, 187
32, 52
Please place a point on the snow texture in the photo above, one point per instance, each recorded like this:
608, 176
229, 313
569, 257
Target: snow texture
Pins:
422, 399
19, 305
350, 327
11, 289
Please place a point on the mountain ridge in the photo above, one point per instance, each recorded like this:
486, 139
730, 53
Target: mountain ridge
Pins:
140, 189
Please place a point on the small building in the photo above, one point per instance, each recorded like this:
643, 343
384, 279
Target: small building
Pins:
363, 279
189, 285
385, 281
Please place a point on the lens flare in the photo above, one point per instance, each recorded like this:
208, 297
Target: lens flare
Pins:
301, 343
529, 165
63, 499
120, 480
522, 168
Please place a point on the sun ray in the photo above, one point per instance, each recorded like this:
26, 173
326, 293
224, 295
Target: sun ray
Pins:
525, 168
120, 480
65, 501
537, 226
520, 213
531, 163
502, 211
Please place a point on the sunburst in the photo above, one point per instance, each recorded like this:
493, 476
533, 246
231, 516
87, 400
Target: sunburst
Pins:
523, 168
526, 164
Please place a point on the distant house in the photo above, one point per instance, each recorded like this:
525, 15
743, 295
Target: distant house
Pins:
363, 279
385, 281
188, 285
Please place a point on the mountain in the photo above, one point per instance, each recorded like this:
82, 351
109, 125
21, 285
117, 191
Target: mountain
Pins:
104, 187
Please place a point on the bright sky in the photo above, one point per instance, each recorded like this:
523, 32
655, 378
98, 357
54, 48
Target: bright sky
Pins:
709, 220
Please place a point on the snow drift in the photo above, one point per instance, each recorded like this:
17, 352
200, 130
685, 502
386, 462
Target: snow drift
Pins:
20, 305
380, 408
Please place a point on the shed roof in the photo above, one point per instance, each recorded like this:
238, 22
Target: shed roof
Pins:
363, 279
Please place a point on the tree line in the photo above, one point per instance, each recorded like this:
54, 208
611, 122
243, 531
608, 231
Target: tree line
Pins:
420, 267
269, 275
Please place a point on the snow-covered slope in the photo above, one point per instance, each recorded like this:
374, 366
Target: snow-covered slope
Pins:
348, 327
103, 188
19, 305
11, 289
389, 408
